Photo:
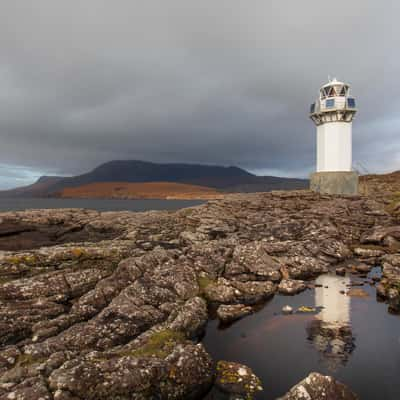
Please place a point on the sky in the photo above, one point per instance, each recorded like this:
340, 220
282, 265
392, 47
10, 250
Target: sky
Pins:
224, 82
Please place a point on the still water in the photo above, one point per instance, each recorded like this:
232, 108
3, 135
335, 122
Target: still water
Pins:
354, 339
21, 204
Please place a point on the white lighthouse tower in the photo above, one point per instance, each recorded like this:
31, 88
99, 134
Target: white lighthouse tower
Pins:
333, 114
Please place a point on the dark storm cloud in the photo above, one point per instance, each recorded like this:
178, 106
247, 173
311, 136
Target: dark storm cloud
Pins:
227, 82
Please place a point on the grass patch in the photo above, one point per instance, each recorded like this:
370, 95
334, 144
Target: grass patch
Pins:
159, 344
204, 282
29, 260
25, 360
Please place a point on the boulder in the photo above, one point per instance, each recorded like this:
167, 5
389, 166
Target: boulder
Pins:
304, 267
361, 268
237, 379
287, 309
230, 313
163, 362
379, 233
254, 259
319, 387
291, 286
233, 292
368, 251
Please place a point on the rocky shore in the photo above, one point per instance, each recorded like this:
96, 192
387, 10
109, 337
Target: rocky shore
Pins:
113, 305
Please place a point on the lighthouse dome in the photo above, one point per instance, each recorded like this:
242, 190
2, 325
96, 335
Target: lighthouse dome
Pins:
334, 88
334, 96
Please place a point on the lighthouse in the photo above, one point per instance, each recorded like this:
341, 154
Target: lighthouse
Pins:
333, 114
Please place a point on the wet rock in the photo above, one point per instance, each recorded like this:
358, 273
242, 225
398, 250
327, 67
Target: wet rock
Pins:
287, 309
291, 286
237, 379
254, 292
230, 313
361, 268
381, 291
389, 286
319, 387
351, 284
341, 271
356, 292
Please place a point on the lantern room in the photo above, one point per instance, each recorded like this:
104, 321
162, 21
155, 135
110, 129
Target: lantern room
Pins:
334, 103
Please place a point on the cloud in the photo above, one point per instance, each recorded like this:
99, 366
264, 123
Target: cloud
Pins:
11, 176
221, 82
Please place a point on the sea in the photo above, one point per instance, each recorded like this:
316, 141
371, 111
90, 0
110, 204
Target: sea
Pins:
21, 204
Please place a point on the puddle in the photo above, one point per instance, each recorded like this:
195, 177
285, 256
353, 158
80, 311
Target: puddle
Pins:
354, 339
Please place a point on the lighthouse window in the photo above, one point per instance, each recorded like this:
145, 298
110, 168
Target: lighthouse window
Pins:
330, 103
351, 103
312, 108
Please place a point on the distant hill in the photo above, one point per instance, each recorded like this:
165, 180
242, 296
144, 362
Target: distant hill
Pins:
226, 179
38, 189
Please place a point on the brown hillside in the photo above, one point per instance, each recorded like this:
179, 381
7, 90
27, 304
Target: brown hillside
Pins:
148, 190
380, 185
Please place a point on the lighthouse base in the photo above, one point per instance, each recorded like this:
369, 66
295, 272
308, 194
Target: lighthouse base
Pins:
336, 182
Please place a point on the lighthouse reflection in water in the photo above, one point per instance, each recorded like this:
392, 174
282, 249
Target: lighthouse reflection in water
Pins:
330, 331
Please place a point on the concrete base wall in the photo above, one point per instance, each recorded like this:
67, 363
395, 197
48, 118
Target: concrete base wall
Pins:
339, 182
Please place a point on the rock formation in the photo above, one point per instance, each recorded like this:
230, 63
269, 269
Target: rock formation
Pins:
113, 305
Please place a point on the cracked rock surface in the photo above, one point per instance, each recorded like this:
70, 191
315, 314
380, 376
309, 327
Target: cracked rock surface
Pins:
113, 305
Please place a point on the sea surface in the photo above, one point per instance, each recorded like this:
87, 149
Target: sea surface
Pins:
354, 339
21, 204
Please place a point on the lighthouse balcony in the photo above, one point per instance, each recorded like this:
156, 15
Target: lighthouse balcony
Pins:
333, 109
336, 115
